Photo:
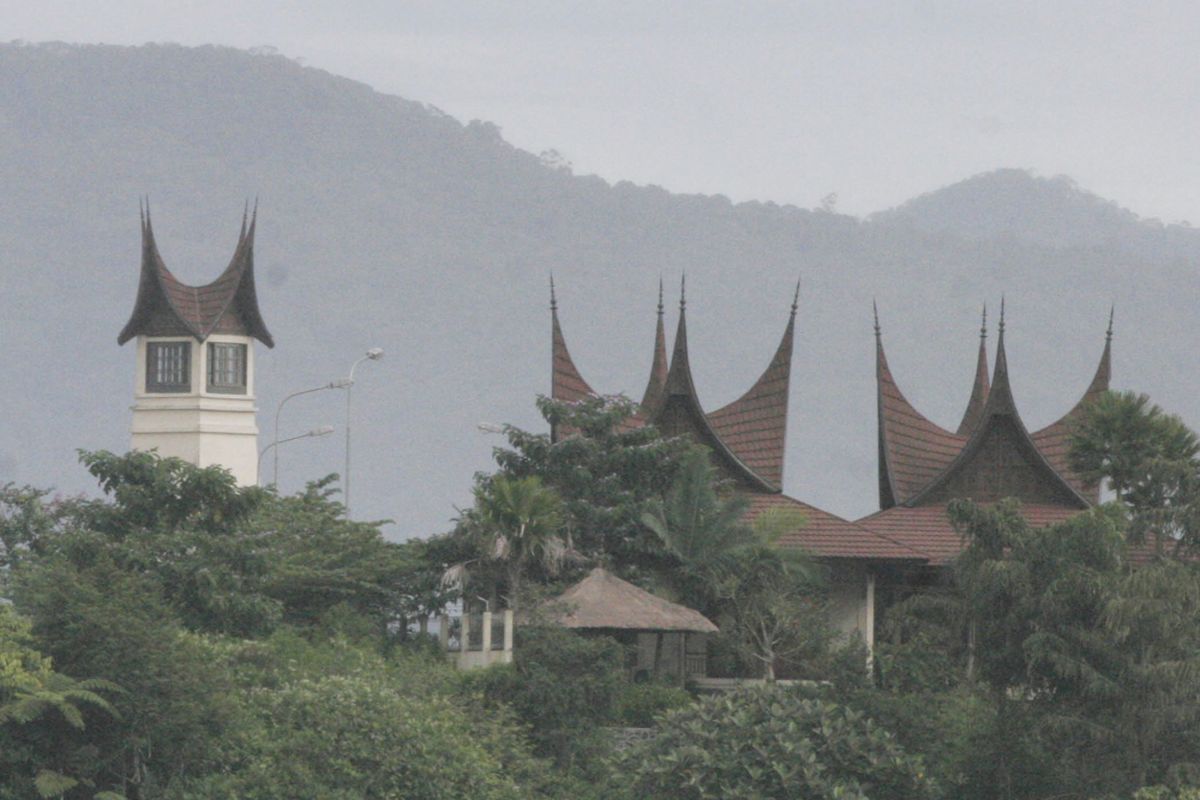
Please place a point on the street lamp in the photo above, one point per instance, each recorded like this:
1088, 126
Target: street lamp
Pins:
374, 354
340, 383
324, 430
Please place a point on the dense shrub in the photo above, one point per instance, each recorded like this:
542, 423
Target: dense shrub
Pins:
563, 686
771, 742
639, 704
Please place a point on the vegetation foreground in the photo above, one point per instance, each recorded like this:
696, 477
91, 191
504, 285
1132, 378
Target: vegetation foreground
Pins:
184, 638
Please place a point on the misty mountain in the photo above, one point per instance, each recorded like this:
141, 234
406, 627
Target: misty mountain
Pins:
385, 222
1055, 212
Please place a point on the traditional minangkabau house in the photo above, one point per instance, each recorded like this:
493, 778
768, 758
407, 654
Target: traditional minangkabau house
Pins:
747, 439
990, 456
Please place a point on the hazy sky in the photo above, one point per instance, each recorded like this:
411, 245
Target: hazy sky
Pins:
777, 101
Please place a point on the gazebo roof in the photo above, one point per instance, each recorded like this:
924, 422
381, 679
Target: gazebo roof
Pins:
604, 601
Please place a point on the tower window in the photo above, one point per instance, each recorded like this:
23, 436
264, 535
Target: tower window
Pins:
168, 366
226, 368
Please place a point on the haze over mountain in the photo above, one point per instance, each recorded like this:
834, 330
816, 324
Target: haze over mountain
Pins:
384, 222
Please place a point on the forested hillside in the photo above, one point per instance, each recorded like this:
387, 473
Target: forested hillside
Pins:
384, 222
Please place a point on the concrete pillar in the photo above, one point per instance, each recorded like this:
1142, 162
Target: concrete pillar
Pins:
487, 632
466, 630
508, 630
869, 621
444, 632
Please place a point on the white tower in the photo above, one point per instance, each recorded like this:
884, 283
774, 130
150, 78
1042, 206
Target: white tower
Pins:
194, 390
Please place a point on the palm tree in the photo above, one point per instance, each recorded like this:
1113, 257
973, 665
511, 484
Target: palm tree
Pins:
702, 532
520, 521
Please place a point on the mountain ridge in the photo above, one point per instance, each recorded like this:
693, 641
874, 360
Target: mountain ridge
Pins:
385, 222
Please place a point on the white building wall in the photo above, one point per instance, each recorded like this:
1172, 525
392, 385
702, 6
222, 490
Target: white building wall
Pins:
202, 427
852, 600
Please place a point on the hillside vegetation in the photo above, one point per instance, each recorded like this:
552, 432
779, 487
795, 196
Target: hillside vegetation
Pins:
385, 222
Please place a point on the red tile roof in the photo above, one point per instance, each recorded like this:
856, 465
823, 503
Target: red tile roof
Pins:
829, 536
927, 529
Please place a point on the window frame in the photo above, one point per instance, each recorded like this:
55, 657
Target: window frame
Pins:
239, 368
155, 367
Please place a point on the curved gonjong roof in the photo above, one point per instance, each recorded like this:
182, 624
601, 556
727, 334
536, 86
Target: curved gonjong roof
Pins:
166, 306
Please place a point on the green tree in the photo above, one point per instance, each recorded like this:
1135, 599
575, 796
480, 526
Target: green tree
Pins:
1085, 656
100, 621
771, 742
520, 524
42, 714
563, 687
1150, 460
606, 471
701, 532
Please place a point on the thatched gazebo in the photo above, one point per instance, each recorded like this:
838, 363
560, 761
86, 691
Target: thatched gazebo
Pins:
667, 638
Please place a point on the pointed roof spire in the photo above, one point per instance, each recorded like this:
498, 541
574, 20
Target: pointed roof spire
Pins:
796, 297
682, 291
875, 309
755, 425
565, 381
912, 449
1000, 427
980, 388
1054, 439
657, 382
1111, 311
680, 410
1000, 376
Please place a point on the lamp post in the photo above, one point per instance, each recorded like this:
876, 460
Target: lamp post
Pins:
374, 354
340, 383
324, 430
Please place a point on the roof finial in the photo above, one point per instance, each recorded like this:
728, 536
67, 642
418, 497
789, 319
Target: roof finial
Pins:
1108, 334
683, 291
245, 216
553, 299
1001, 315
875, 309
983, 325
796, 297
660, 295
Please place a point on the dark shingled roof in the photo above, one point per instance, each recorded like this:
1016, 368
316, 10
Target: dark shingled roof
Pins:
981, 386
912, 450
1053, 440
746, 436
166, 306
922, 463
755, 425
